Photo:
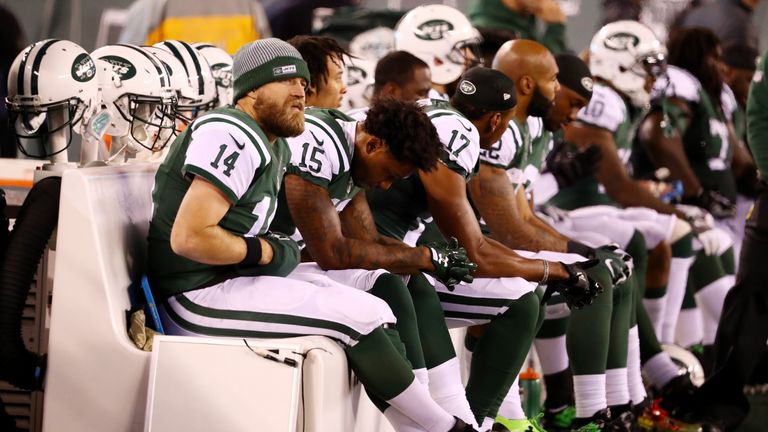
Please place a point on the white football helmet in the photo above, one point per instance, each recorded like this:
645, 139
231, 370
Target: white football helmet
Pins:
200, 95
221, 69
52, 87
442, 37
359, 76
373, 44
624, 53
686, 362
138, 96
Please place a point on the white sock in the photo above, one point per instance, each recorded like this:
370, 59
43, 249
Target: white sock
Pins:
655, 308
634, 373
447, 390
591, 394
401, 422
512, 406
414, 402
710, 299
552, 353
678, 279
689, 328
660, 369
616, 387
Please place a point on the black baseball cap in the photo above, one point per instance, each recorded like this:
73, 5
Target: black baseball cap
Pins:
574, 74
486, 89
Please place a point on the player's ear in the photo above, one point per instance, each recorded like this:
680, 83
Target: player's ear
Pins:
390, 89
526, 84
495, 119
374, 144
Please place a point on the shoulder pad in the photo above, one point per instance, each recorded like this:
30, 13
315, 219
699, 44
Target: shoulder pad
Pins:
605, 110
677, 83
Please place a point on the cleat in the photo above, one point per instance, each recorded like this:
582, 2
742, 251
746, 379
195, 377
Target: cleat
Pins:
676, 393
460, 426
504, 424
600, 421
558, 420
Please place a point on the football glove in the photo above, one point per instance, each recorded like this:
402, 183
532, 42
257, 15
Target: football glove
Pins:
703, 226
619, 262
578, 290
451, 263
712, 201
569, 166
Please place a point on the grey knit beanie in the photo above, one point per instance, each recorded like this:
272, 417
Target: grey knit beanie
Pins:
263, 61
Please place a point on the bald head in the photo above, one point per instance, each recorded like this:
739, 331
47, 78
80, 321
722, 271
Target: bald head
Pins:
534, 70
520, 57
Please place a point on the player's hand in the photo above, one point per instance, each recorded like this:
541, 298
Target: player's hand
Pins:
703, 228
618, 261
451, 263
712, 201
569, 166
579, 290
550, 11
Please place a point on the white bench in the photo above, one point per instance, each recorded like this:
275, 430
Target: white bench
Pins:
97, 380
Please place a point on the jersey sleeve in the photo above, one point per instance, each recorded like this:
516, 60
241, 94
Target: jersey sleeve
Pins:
461, 143
502, 152
226, 156
606, 110
315, 155
728, 102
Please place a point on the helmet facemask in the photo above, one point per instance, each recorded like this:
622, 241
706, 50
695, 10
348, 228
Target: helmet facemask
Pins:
648, 65
152, 120
45, 130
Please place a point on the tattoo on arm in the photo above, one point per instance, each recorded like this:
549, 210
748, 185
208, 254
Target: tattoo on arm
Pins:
318, 221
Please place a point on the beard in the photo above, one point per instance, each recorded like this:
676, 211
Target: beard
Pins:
539, 105
279, 119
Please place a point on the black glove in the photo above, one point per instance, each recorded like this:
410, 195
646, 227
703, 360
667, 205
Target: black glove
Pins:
619, 262
712, 201
568, 165
451, 263
579, 290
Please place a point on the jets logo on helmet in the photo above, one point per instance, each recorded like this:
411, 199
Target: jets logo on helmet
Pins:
83, 68
356, 75
433, 29
587, 83
222, 73
621, 41
467, 87
122, 67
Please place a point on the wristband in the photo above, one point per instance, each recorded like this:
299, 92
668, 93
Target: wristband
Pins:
580, 249
252, 252
545, 278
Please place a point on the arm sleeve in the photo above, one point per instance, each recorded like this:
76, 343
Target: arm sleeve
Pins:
226, 157
757, 117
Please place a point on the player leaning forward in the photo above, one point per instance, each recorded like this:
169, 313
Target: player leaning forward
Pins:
217, 269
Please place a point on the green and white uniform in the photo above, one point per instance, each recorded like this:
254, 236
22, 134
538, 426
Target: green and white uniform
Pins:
590, 208
227, 148
397, 210
705, 135
322, 155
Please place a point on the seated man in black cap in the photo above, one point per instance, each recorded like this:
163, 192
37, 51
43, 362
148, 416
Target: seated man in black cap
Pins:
503, 292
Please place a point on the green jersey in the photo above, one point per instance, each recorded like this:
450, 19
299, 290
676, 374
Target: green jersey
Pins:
757, 116
494, 14
705, 134
520, 151
396, 211
227, 148
606, 110
321, 155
